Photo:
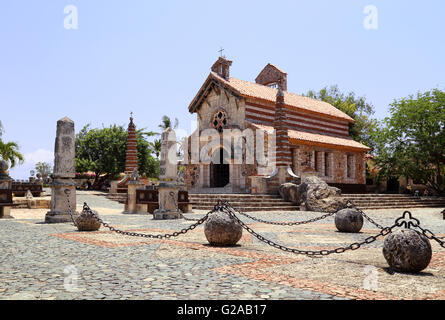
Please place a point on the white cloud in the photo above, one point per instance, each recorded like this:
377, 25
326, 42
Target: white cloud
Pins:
31, 158
40, 155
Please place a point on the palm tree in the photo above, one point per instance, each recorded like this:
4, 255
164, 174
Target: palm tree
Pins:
167, 123
9, 151
156, 144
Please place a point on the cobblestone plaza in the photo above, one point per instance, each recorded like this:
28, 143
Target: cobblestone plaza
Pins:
55, 261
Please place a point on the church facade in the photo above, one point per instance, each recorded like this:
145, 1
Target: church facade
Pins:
303, 136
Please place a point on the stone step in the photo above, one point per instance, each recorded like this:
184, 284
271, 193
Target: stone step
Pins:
397, 201
252, 209
245, 204
375, 195
216, 196
402, 206
233, 200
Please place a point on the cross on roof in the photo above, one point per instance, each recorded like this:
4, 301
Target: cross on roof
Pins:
221, 52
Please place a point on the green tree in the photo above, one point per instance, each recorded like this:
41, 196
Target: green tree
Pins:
411, 141
156, 146
44, 169
362, 130
9, 151
103, 151
166, 122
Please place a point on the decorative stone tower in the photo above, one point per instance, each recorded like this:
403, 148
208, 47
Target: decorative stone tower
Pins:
283, 153
64, 173
131, 160
283, 156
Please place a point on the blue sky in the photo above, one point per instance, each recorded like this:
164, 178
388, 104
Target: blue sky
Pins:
151, 57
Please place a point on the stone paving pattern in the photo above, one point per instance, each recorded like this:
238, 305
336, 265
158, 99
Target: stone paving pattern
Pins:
34, 257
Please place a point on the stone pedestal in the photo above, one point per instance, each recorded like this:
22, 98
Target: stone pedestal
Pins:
168, 202
131, 206
59, 201
6, 201
5, 212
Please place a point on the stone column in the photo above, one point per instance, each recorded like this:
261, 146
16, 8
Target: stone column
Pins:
64, 173
168, 188
131, 206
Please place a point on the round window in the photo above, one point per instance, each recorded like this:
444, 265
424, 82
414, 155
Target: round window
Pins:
219, 120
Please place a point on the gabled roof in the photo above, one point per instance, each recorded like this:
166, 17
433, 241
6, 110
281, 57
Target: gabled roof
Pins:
250, 90
321, 139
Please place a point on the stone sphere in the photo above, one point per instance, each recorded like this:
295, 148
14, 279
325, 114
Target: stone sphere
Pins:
222, 230
349, 220
87, 222
407, 250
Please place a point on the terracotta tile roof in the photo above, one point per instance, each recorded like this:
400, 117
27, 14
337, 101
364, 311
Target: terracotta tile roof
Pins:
254, 90
317, 138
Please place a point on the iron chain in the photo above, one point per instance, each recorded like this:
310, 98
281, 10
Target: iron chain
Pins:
152, 236
224, 206
427, 233
228, 209
366, 216
68, 192
286, 223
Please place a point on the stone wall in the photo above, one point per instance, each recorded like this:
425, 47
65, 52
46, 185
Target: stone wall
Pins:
332, 165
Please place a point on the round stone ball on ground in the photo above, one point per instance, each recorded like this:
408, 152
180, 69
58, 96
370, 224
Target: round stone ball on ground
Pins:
222, 230
87, 222
407, 250
349, 220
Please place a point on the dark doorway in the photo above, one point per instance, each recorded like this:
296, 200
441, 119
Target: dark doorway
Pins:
219, 171
392, 185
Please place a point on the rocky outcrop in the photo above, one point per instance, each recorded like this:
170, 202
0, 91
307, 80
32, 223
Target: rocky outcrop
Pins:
314, 194
289, 192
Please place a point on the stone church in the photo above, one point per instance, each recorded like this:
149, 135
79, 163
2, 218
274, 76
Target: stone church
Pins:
311, 136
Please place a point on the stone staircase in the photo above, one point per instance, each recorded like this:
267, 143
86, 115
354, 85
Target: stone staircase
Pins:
388, 201
250, 202
119, 197
242, 202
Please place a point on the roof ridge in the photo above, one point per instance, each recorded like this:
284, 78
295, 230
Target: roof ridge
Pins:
285, 92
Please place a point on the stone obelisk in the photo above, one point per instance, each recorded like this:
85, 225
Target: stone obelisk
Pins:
64, 173
168, 187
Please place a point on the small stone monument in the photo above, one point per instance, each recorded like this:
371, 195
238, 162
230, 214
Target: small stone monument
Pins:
64, 173
29, 195
168, 187
131, 206
6, 201
407, 250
